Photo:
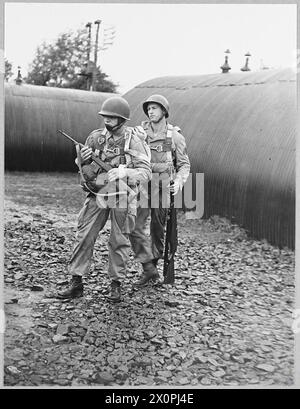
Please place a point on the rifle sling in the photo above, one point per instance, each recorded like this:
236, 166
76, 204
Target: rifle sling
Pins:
79, 163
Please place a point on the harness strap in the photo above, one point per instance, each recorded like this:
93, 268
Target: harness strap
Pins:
118, 151
166, 146
168, 143
104, 149
137, 154
133, 152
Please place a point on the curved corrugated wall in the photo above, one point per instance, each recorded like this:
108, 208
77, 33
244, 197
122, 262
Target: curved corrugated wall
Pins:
240, 131
33, 114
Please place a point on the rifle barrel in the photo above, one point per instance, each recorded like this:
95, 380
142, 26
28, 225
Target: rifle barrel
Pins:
69, 137
101, 163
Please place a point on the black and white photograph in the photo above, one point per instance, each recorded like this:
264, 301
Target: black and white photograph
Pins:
149, 213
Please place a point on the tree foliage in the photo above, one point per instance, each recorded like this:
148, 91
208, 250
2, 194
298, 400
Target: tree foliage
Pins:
8, 70
61, 63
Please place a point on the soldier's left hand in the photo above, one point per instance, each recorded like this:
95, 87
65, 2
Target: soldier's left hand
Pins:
175, 187
116, 173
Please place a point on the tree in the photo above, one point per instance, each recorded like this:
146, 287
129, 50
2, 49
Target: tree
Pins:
8, 70
64, 64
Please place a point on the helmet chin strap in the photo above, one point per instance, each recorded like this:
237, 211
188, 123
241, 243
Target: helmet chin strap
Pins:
116, 127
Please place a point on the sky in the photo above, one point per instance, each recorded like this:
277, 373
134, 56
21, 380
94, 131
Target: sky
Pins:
154, 40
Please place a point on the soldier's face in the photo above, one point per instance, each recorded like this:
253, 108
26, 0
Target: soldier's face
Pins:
111, 121
155, 112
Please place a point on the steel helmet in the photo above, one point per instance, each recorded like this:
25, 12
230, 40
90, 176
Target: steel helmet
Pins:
157, 99
115, 106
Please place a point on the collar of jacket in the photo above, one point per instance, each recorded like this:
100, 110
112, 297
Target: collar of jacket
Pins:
105, 132
148, 127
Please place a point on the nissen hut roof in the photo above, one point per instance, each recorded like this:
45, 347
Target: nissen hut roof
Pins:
240, 131
33, 114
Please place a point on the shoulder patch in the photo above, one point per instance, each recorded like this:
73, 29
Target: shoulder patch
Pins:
101, 140
96, 138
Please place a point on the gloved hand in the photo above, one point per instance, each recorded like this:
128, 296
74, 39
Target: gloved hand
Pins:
117, 173
86, 153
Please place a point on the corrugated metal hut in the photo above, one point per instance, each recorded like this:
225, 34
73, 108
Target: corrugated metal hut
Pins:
240, 131
33, 114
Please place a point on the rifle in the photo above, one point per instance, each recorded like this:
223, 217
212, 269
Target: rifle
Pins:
123, 187
105, 166
170, 243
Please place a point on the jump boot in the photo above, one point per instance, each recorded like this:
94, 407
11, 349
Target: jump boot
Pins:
149, 274
115, 291
74, 291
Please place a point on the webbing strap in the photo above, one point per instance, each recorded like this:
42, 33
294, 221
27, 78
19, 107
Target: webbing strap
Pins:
137, 154
166, 146
169, 141
110, 151
134, 152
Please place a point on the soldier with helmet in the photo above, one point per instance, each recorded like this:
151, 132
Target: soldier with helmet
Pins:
128, 154
168, 157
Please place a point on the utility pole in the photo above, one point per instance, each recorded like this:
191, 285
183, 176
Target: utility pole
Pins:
97, 22
90, 72
89, 26
88, 77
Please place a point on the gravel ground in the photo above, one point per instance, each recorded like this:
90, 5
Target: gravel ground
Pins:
226, 320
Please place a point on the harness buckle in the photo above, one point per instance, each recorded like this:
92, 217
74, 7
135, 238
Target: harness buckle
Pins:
157, 148
116, 151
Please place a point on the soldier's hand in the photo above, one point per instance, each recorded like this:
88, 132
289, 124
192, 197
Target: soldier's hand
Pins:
86, 153
175, 187
117, 173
